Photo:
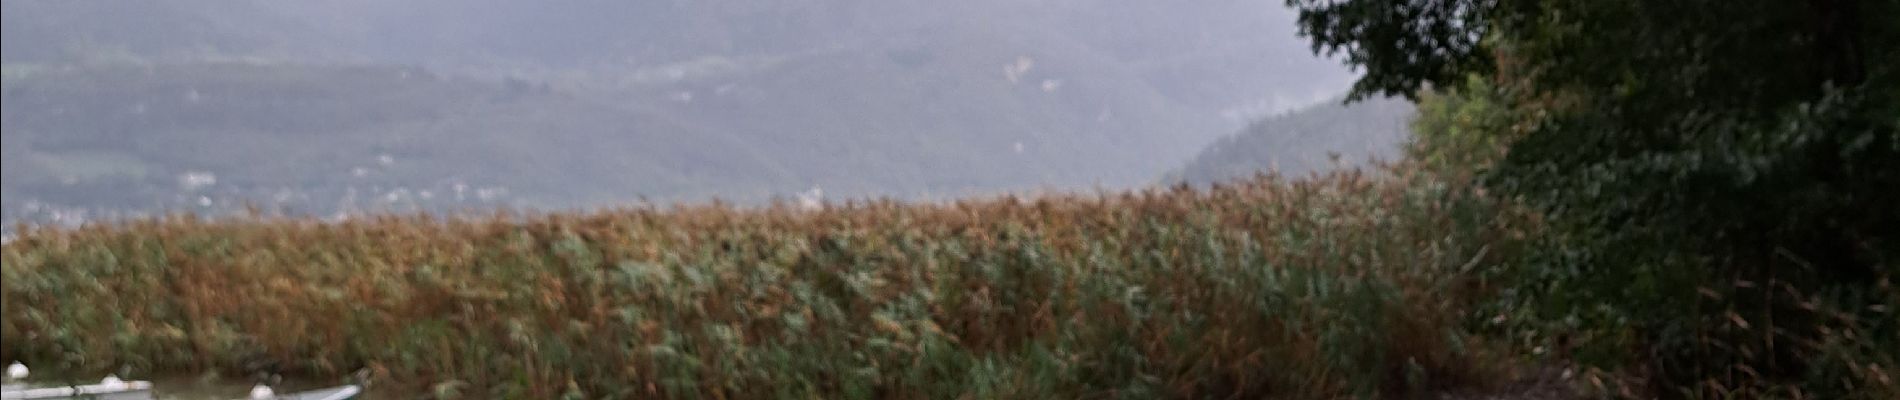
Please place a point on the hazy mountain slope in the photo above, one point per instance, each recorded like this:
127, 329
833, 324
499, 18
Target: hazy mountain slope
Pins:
938, 114
1238, 56
52, 31
1305, 141
127, 136
595, 102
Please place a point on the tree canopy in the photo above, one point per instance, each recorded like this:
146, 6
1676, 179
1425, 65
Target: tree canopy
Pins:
1677, 145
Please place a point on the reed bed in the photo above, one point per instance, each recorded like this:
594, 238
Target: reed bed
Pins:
1346, 285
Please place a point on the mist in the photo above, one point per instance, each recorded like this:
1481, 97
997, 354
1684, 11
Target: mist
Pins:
337, 107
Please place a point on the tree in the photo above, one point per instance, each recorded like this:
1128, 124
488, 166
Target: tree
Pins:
1680, 145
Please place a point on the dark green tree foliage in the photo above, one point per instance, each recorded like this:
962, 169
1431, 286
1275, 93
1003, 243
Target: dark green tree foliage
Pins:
1402, 45
1725, 175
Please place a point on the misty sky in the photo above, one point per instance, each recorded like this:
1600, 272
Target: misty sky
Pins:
594, 102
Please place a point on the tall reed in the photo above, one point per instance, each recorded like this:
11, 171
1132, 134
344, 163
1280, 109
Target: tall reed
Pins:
1346, 285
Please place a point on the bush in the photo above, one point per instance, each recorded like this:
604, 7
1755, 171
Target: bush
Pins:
1738, 259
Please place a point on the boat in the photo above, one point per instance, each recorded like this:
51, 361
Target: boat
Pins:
262, 392
110, 388
113, 388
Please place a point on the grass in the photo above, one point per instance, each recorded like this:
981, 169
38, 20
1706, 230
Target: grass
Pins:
1346, 285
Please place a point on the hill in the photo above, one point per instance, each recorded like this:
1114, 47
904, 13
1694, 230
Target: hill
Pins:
593, 103
1306, 141
308, 137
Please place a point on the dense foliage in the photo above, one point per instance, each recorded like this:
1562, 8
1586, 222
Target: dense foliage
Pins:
1721, 174
1342, 286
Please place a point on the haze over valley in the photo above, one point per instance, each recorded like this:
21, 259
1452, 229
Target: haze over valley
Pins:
321, 108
